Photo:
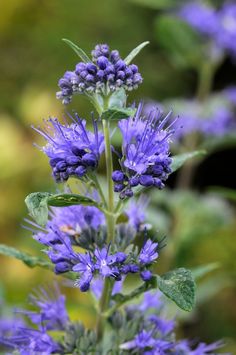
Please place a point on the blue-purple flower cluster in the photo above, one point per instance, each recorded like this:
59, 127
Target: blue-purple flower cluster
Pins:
51, 315
145, 160
212, 118
151, 333
106, 73
219, 25
73, 150
155, 333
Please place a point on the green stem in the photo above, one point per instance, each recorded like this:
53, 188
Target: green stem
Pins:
99, 188
111, 219
206, 74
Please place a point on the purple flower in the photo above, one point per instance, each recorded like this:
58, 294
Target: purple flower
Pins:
136, 213
105, 263
226, 34
72, 149
106, 72
148, 253
85, 268
201, 17
162, 325
145, 148
142, 341
52, 311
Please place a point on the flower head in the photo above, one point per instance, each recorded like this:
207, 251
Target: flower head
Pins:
72, 149
226, 34
145, 147
148, 253
106, 72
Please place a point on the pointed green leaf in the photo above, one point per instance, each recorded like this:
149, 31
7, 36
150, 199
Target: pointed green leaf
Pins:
78, 51
27, 259
37, 205
135, 52
118, 113
179, 160
62, 200
179, 286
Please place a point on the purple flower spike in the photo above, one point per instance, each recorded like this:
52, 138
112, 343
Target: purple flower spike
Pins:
148, 253
72, 149
145, 152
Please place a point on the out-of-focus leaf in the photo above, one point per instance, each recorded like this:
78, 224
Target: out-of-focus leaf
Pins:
213, 144
179, 40
37, 205
224, 192
135, 52
118, 113
208, 289
62, 200
155, 4
118, 99
78, 51
179, 286
27, 259
179, 160
202, 270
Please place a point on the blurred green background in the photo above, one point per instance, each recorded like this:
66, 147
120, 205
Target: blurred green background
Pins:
33, 58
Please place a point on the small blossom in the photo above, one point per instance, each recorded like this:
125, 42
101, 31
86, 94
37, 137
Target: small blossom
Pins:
85, 268
148, 253
72, 150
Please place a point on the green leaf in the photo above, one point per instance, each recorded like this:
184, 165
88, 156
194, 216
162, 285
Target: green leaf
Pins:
180, 41
179, 286
78, 50
62, 200
118, 99
200, 271
155, 4
37, 205
135, 52
118, 113
27, 259
179, 160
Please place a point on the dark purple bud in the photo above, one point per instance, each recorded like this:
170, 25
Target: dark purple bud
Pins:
80, 171
61, 166
91, 68
90, 159
125, 269
120, 257
90, 77
129, 193
80, 67
118, 187
146, 275
146, 180
77, 151
137, 79
111, 77
115, 56
110, 69
134, 181
128, 72
102, 62
120, 75
120, 65
83, 74
64, 83
84, 286
100, 74
118, 176
62, 267
158, 183
157, 169
133, 268
53, 162
70, 170
134, 68
64, 175
72, 160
